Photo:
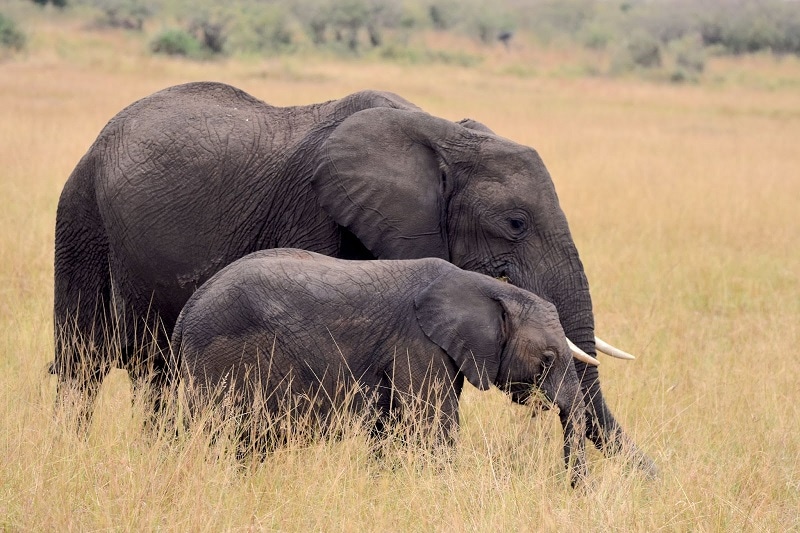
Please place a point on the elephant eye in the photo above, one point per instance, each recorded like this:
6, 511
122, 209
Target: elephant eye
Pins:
517, 225
548, 358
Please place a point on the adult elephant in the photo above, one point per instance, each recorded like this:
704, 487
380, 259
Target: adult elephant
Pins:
185, 181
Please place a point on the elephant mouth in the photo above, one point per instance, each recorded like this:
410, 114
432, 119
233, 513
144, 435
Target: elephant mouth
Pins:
501, 272
503, 277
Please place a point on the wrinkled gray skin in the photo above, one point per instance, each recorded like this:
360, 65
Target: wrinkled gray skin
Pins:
189, 179
294, 324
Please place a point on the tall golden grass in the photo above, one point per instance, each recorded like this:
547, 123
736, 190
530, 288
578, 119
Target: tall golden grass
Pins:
683, 201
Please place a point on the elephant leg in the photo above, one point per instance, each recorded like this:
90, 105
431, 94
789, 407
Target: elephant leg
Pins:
574, 444
83, 354
144, 350
142, 342
437, 411
150, 381
449, 422
76, 392
382, 409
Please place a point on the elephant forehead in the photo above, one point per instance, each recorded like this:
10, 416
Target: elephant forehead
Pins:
531, 310
508, 154
511, 193
502, 185
511, 165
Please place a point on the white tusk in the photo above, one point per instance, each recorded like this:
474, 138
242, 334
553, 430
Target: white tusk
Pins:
580, 355
607, 349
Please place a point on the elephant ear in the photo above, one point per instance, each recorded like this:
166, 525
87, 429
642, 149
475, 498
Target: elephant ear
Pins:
466, 323
380, 176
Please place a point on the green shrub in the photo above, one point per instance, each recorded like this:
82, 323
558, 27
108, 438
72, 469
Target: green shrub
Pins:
751, 34
349, 25
61, 4
11, 37
176, 42
444, 14
211, 34
596, 36
641, 51
753, 26
644, 50
264, 28
690, 54
123, 14
315, 16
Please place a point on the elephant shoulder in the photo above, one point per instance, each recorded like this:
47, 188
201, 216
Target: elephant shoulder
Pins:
212, 92
475, 125
275, 263
270, 255
436, 266
184, 100
371, 98
200, 92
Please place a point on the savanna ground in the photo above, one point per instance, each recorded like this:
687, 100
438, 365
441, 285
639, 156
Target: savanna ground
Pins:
683, 200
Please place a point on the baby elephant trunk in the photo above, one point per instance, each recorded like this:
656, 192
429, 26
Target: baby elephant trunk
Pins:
572, 412
573, 420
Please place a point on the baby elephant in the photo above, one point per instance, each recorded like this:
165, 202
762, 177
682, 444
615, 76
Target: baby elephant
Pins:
295, 328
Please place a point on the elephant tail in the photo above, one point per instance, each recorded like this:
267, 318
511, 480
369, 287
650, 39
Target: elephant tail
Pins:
82, 290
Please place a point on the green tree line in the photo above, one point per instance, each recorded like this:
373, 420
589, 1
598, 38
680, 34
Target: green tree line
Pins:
642, 29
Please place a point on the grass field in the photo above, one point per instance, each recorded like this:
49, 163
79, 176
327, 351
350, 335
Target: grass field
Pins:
683, 201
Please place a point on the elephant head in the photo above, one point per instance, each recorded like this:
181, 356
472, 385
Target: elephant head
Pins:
499, 334
408, 184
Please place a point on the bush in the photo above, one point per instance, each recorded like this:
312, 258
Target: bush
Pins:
61, 4
123, 14
11, 37
263, 28
690, 54
444, 14
752, 34
644, 50
210, 34
176, 42
753, 26
596, 36
488, 27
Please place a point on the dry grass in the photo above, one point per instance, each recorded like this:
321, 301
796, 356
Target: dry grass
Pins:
683, 201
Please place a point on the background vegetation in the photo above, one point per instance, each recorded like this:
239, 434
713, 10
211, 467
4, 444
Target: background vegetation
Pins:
682, 200
666, 38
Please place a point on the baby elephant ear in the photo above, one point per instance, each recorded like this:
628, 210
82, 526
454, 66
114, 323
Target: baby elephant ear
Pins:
379, 176
467, 324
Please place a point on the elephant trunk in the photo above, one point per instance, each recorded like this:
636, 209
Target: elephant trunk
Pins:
563, 389
570, 294
573, 423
